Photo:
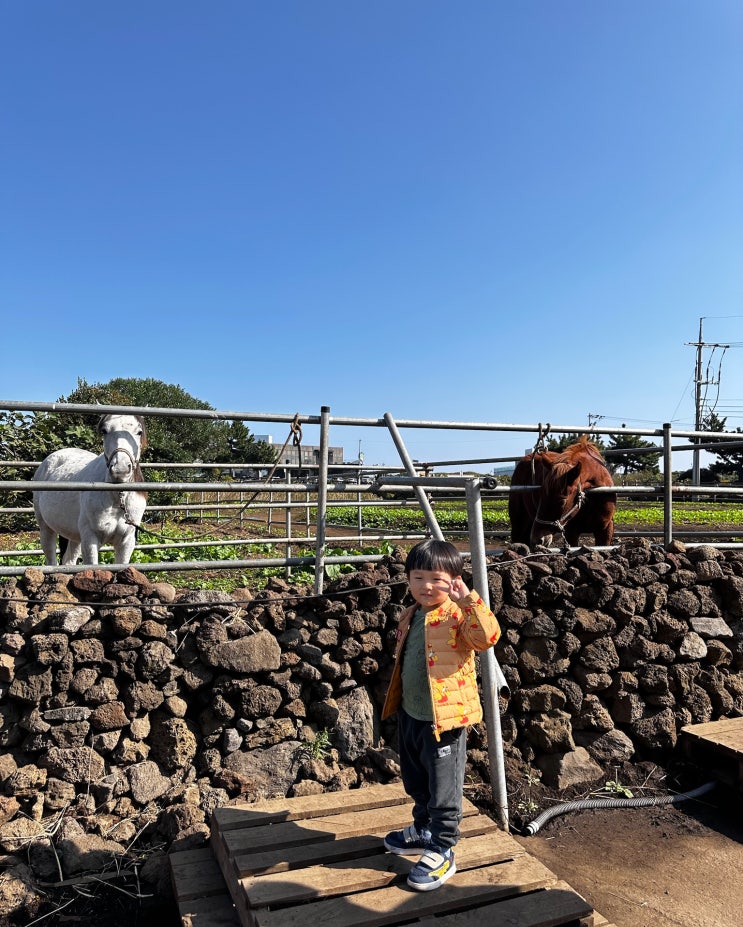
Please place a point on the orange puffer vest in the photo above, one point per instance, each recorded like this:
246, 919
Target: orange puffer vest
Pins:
454, 631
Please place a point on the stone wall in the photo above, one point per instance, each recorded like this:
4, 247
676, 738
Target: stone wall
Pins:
130, 711
609, 655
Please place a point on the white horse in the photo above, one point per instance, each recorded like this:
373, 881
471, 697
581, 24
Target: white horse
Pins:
88, 519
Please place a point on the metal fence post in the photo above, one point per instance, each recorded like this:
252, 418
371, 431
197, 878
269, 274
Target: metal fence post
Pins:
288, 523
322, 499
667, 485
493, 681
423, 501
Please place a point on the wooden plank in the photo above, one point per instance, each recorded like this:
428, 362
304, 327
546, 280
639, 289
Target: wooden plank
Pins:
231, 880
397, 904
314, 830
186, 856
200, 890
727, 742
281, 860
209, 912
367, 873
291, 858
279, 810
726, 734
553, 906
346, 823
196, 874
723, 760
273, 810
732, 743
712, 727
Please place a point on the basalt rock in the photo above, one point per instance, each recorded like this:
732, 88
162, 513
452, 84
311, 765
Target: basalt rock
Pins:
126, 712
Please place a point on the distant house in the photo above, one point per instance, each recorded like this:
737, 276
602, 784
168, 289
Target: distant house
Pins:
310, 455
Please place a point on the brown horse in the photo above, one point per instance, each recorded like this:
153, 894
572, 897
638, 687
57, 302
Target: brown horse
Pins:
561, 504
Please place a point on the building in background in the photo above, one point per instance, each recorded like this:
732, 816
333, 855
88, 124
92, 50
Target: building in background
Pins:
310, 457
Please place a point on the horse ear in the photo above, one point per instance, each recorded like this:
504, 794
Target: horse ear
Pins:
143, 442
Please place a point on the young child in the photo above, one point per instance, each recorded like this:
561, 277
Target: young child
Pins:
434, 691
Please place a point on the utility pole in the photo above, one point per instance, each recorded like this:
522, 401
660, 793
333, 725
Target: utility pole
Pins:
699, 382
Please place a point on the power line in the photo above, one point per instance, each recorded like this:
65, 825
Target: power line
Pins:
700, 397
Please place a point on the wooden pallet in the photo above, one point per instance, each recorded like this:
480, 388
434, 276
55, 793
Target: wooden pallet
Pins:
717, 745
320, 860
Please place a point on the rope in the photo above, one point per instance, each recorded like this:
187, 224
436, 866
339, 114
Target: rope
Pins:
540, 447
295, 434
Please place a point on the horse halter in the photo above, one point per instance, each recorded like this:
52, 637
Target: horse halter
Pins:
123, 493
121, 450
560, 523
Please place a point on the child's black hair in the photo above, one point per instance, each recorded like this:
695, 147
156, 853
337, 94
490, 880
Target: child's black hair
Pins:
434, 555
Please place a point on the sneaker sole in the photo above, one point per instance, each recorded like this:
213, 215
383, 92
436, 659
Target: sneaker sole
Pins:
404, 851
430, 886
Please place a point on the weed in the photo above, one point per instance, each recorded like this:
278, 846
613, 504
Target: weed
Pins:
615, 787
319, 748
527, 804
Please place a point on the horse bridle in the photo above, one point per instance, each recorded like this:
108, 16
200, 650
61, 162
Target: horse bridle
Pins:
121, 450
122, 493
560, 523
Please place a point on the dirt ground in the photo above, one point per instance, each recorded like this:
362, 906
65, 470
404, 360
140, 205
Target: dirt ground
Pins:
663, 866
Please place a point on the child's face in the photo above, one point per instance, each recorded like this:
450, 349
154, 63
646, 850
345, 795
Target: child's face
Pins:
429, 588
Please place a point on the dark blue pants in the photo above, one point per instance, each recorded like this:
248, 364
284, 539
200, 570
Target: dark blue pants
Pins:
433, 776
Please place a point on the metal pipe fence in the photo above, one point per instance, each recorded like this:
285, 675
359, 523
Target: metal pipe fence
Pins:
278, 504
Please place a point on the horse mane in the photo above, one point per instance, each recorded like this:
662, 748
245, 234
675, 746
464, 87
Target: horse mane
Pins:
143, 442
575, 454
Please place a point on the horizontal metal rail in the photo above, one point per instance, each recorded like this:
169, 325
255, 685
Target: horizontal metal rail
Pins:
383, 478
287, 418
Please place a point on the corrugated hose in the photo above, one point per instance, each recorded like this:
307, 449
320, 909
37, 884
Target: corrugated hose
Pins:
584, 803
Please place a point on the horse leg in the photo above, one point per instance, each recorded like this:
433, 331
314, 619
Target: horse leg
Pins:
572, 534
90, 547
123, 547
521, 521
605, 534
48, 542
71, 553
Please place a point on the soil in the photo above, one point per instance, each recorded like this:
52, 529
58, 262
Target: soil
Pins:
667, 866
659, 866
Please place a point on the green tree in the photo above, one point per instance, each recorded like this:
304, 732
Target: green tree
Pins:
175, 439
243, 447
23, 437
169, 439
729, 462
629, 461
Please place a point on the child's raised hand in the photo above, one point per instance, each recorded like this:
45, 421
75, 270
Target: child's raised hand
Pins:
458, 589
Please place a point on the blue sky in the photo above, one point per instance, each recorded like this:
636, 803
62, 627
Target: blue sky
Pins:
484, 211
